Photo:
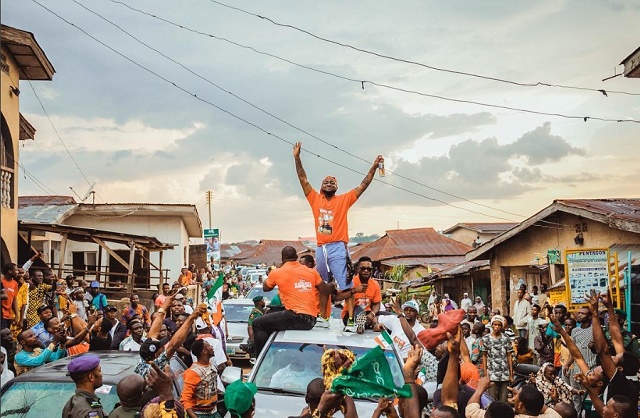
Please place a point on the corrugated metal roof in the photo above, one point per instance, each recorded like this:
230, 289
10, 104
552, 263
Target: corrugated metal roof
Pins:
267, 252
45, 200
623, 209
483, 227
418, 242
463, 268
436, 263
45, 213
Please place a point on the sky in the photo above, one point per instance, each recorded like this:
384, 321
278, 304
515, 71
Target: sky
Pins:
154, 112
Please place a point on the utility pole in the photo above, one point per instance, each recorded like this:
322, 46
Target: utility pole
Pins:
209, 197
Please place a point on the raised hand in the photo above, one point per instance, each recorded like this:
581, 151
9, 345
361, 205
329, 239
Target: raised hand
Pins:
414, 359
593, 300
606, 299
453, 345
296, 149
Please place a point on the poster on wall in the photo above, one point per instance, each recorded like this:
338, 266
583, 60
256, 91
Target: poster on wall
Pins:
586, 270
212, 239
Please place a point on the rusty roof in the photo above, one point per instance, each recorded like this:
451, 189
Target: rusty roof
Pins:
483, 227
417, 242
623, 214
24, 201
436, 263
267, 251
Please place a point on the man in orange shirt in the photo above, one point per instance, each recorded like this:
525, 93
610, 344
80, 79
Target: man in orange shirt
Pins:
10, 285
332, 232
367, 295
299, 288
185, 277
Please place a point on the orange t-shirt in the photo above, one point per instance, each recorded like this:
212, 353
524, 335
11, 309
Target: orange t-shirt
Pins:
297, 287
11, 289
330, 216
365, 300
185, 279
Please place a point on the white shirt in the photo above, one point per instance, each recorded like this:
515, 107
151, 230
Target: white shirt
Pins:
521, 308
287, 378
400, 340
418, 327
129, 344
465, 303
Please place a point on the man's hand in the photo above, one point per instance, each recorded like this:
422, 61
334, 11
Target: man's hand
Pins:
453, 345
72, 308
330, 401
592, 299
296, 149
553, 393
379, 159
361, 288
161, 382
413, 360
606, 299
557, 326
200, 310
484, 383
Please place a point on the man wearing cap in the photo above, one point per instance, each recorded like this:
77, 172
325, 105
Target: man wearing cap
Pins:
411, 311
256, 312
367, 295
497, 351
99, 300
85, 371
465, 302
332, 232
239, 399
118, 330
44, 313
161, 351
77, 297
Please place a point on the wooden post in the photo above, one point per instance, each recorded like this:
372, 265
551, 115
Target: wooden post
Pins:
160, 268
132, 254
63, 255
99, 268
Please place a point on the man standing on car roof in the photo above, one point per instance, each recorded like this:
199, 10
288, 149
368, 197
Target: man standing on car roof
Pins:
87, 375
332, 232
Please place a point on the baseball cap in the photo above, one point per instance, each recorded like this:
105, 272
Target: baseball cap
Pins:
257, 299
94, 285
44, 308
178, 296
83, 364
110, 308
200, 324
78, 289
411, 304
150, 347
238, 396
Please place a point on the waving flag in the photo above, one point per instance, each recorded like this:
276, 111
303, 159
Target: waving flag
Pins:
214, 299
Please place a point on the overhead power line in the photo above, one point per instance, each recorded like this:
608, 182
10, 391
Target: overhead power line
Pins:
284, 121
362, 82
406, 61
239, 118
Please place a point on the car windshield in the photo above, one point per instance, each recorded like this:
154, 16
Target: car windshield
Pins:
257, 291
291, 366
47, 399
237, 313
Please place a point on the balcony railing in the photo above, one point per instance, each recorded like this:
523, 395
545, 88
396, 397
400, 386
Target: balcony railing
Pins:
6, 188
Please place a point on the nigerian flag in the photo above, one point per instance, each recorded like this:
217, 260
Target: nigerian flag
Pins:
214, 295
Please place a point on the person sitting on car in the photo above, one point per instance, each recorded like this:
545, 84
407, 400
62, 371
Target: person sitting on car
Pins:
32, 355
161, 351
300, 289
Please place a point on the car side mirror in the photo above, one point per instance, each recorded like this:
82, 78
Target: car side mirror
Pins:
231, 374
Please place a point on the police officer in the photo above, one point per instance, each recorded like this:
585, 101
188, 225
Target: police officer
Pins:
86, 373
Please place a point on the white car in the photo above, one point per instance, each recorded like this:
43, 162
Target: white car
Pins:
257, 291
282, 394
236, 312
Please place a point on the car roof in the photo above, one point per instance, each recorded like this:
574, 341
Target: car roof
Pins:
114, 365
240, 301
332, 335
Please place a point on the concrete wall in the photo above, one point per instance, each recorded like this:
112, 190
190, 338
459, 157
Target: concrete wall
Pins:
516, 258
11, 111
467, 236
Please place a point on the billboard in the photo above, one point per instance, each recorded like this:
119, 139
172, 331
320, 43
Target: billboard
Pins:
212, 240
586, 270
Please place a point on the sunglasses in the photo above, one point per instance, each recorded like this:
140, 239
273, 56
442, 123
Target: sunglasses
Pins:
366, 268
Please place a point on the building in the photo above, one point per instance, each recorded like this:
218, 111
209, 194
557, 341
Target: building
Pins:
474, 234
632, 64
21, 59
533, 252
170, 224
268, 252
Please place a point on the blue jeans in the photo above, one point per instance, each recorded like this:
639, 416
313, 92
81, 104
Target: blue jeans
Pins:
334, 255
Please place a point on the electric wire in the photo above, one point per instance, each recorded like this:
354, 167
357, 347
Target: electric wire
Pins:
390, 87
286, 122
254, 125
406, 61
60, 138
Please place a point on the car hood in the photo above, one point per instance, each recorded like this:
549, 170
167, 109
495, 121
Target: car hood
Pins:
274, 405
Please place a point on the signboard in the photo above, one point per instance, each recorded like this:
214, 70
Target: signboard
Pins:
553, 256
212, 239
586, 270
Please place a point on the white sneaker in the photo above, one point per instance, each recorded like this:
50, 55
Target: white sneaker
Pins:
351, 327
321, 322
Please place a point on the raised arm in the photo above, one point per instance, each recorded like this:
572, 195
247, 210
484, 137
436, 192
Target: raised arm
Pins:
599, 340
571, 345
614, 325
302, 175
451, 378
368, 178
181, 334
156, 325
411, 336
